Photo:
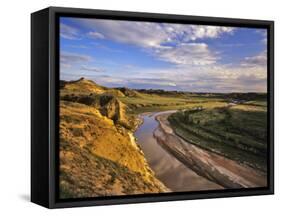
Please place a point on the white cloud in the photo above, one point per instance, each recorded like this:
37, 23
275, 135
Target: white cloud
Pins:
208, 31
90, 68
204, 78
194, 32
172, 84
175, 43
65, 65
257, 60
96, 35
149, 34
195, 67
70, 58
68, 32
135, 33
187, 54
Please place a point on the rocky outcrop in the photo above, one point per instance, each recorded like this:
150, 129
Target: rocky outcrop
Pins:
98, 154
129, 92
108, 105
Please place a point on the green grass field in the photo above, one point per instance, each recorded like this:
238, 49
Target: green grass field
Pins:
238, 132
154, 102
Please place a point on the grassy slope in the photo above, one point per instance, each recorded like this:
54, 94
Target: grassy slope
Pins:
237, 132
97, 155
154, 102
86, 87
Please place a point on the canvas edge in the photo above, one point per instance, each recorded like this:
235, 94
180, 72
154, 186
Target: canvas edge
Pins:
53, 203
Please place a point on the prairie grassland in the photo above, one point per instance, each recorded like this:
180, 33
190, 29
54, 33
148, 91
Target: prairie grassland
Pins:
238, 132
233, 125
154, 102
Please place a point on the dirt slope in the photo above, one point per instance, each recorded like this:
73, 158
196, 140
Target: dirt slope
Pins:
98, 155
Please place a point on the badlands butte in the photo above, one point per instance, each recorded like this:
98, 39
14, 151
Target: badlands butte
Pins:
220, 137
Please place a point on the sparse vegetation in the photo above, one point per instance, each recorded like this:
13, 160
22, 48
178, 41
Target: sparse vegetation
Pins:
97, 154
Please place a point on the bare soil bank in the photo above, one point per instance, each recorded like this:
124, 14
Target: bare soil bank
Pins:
223, 171
166, 167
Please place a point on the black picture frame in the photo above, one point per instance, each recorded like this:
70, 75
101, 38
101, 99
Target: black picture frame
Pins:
45, 100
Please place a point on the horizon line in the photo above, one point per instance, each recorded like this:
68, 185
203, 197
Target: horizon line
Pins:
155, 89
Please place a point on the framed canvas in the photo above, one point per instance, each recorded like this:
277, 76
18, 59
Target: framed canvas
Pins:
139, 107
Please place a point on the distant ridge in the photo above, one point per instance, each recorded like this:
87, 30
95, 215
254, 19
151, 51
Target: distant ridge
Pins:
83, 85
129, 92
86, 86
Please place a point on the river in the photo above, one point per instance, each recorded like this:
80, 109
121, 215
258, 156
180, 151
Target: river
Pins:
174, 174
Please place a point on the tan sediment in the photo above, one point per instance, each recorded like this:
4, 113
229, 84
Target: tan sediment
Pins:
216, 168
167, 168
99, 157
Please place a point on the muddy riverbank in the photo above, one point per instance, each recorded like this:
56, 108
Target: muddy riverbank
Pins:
218, 169
167, 168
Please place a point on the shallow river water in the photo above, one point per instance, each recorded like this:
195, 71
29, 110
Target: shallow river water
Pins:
174, 174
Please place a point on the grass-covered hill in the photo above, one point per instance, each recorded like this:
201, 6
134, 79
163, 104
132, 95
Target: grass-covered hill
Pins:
238, 132
98, 153
84, 86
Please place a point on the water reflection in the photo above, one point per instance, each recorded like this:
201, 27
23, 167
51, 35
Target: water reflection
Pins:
166, 167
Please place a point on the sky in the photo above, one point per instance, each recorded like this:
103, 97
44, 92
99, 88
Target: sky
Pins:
150, 55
